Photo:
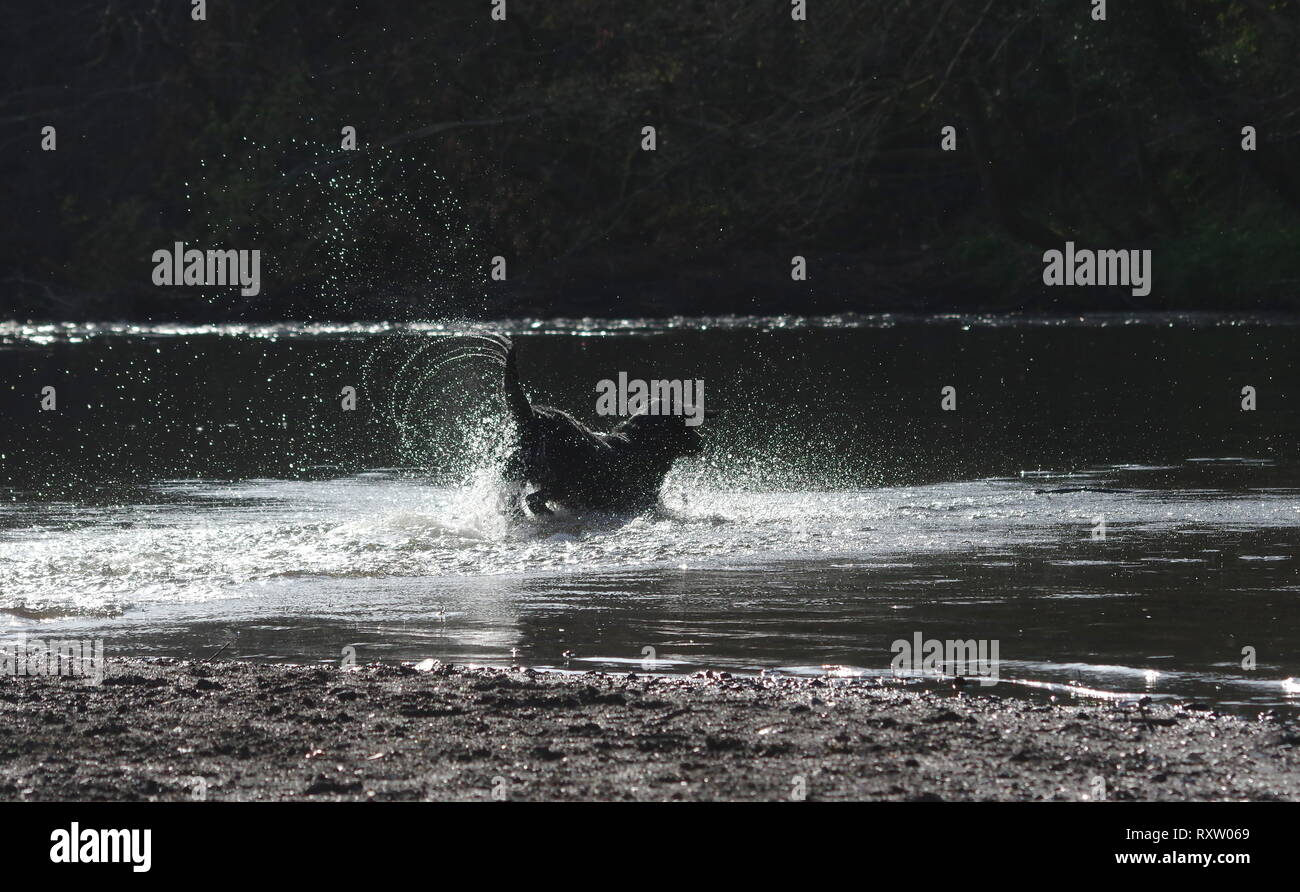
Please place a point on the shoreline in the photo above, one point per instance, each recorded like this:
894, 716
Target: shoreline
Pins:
164, 729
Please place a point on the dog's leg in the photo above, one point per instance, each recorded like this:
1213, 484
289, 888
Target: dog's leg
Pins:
515, 481
512, 506
517, 466
537, 503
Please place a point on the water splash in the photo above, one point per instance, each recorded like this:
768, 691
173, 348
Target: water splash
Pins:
374, 231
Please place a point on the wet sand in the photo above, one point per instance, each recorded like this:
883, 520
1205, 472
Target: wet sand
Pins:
159, 729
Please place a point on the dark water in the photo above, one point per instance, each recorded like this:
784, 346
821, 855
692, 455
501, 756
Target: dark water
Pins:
196, 488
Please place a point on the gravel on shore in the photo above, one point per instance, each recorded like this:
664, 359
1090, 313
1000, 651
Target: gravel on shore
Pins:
162, 729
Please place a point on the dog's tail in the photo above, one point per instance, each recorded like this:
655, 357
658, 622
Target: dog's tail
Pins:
502, 349
516, 399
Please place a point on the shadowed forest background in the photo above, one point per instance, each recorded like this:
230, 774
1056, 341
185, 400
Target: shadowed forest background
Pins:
523, 139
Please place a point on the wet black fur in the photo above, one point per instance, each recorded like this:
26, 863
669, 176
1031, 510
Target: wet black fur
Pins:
572, 465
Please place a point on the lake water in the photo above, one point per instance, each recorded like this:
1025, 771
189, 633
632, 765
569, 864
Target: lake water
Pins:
201, 487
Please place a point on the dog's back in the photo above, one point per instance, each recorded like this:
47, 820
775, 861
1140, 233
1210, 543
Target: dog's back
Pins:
581, 468
569, 463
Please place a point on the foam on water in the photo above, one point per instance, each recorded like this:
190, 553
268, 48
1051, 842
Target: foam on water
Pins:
18, 332
193, 541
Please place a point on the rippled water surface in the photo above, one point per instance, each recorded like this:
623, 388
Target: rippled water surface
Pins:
201, 488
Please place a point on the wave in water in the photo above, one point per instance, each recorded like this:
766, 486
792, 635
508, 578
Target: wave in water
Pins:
194, 541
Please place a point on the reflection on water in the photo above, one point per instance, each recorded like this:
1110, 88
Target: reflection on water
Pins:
200, 489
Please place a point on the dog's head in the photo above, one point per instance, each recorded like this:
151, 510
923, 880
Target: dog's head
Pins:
666, 434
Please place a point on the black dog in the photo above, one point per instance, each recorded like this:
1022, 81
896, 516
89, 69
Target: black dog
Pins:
581, 469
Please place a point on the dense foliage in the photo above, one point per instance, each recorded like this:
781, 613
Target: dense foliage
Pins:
522, 139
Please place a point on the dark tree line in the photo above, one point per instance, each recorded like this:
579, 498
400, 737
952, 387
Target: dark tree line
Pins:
522, 139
